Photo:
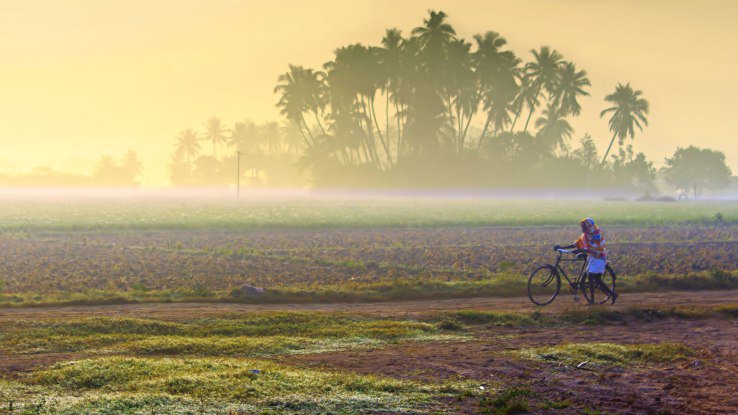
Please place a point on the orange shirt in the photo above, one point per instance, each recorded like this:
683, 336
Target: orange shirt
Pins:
593, 243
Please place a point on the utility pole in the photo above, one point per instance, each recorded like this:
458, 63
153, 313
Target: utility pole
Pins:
238, 173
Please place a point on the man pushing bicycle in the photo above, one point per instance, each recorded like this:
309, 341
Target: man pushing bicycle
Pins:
592, 242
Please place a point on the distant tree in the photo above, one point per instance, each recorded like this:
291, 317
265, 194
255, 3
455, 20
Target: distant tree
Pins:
108, 172
391, 61
543, 73
179, 172
215, 132
629, 111
301, 91
291, 136
428, 114
553, 129
570, 86
435, 34
696, 169
132, 165
587, 152
497, 71
244, 137
270, 136
527, 97
634, 171
187, 145
208, 171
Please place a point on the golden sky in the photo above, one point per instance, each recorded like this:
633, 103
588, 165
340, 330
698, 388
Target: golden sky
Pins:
82, 78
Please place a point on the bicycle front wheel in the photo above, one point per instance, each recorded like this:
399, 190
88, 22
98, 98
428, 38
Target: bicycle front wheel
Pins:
544, 285
600, 295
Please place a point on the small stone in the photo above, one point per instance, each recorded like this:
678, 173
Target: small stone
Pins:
252, 291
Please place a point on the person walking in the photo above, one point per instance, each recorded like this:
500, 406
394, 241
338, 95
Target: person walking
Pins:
592, 242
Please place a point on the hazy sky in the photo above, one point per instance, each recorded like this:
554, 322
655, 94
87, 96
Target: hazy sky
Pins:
79, 79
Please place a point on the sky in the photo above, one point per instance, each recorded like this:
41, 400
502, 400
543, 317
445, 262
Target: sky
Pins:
83, 78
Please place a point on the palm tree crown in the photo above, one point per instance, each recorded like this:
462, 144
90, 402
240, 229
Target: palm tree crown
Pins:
215, 133
553, 128
301, 90
435, 32
188, 145
542, 73
629, 110
571, 86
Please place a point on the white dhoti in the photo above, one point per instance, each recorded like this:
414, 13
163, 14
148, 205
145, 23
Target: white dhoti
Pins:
596, 265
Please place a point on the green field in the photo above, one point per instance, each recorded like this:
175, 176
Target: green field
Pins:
173, 213
114, 250
236, 363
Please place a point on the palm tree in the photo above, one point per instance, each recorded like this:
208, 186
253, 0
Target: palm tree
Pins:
391, 63
301, 90
543, 72
527, 97
292, 136
242, 136
570, 87
629, 111
132, 164
495, 70
459, 87
215, 133
271, 136
553, 129
435, 34
188, 145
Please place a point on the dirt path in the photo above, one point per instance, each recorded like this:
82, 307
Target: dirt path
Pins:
705, 383
183, 311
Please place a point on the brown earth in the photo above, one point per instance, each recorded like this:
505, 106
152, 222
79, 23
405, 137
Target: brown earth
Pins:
705, 383
186, 311
47, 262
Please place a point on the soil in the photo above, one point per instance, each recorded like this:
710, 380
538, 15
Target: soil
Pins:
186, 311
705, 383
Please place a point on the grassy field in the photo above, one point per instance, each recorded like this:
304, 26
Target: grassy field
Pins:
211, 366
245, 364
19, 214
104, 251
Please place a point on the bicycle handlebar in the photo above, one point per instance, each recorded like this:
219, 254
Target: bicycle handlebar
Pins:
571, 251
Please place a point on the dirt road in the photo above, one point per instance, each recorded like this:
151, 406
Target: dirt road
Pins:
183, 311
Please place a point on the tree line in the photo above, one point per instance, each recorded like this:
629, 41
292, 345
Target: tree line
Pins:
268, 154
430, 109
417, 105
107, 172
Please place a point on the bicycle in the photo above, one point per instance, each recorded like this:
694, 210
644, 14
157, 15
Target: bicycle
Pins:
544, 284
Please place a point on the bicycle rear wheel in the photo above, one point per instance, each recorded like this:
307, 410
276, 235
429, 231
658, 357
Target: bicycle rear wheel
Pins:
600, 296
544, 285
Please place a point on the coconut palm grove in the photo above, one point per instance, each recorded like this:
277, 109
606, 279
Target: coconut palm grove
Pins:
426, 108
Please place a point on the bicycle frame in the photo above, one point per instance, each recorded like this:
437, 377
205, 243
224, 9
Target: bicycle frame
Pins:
573, 286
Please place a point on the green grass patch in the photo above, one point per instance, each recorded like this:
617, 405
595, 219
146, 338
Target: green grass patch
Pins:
258, 334
170, 385
21, 215
422, 287
494, 318
608, 353
513, 400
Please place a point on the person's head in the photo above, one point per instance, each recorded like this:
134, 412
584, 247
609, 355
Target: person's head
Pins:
588, 225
